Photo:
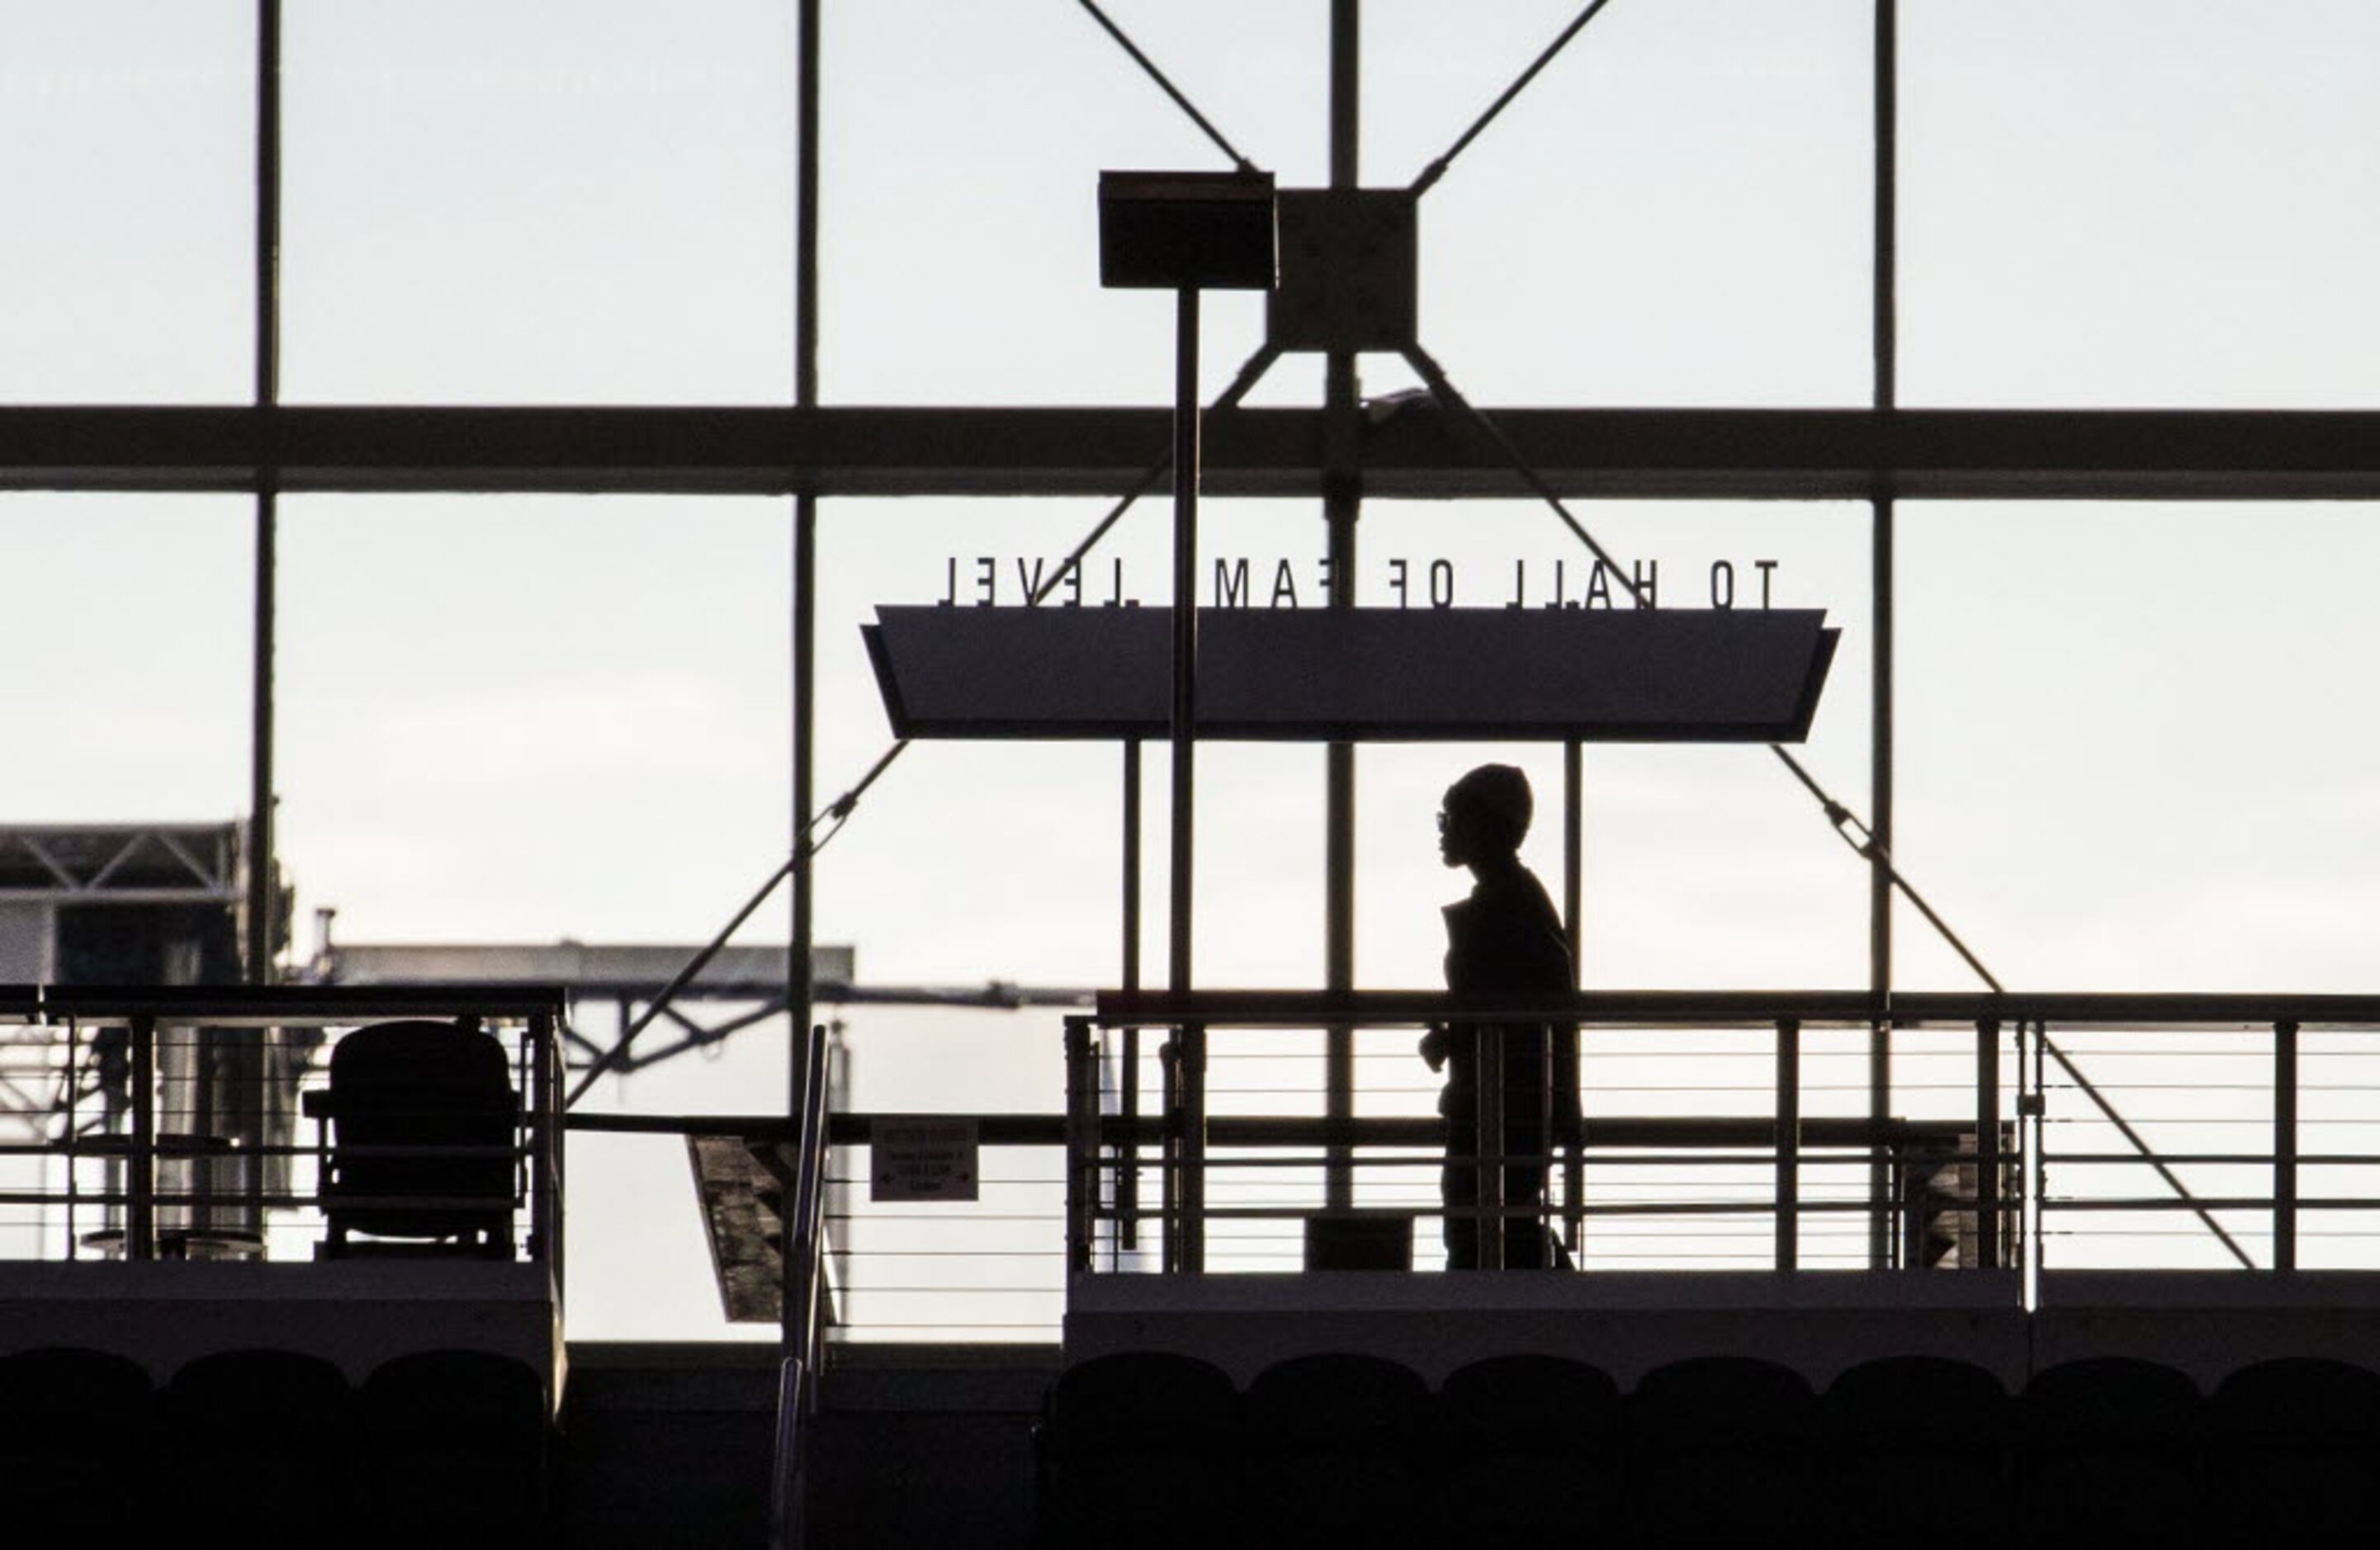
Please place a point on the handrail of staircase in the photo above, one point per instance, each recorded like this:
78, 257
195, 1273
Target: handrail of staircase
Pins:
804, 1268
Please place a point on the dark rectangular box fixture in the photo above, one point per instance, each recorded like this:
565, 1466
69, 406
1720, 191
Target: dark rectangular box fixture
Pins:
1207, 231
1359, 1243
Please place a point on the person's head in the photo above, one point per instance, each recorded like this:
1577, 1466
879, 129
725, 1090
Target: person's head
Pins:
1485, 816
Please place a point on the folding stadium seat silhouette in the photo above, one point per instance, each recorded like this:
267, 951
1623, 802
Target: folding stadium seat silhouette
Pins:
1529, 1443
422, 1117
1140, 1448
1719, 1450
1338, 1448
77, 1432
261, 1442
2109, 1456
2293, 1454
455, 1450
1917, 1449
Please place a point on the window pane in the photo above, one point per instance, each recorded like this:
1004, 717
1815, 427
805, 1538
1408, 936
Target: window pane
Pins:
1676, 212
2134, 746
484, 205
972, 861
2139, 204
128, 680
963, 147
521, 718
130, 129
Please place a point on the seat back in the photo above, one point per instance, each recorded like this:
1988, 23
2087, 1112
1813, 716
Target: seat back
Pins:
1917, 1449
456, 1450
2110, 1455
400, 1093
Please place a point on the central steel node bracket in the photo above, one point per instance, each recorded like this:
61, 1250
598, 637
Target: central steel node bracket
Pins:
1348, 271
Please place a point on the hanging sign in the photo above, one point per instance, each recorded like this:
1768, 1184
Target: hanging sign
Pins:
1449, 674
922, 1159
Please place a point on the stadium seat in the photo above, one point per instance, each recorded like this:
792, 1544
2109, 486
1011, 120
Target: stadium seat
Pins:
1915, 1450
76, 1445
1531, 1450
2109, 1457
1720, 1449
261, 1444
1137, 1448
2293, 1454
1339, 1450
399, 1094
455, 1450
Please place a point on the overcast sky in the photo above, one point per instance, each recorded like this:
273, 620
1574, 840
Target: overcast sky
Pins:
2135, 750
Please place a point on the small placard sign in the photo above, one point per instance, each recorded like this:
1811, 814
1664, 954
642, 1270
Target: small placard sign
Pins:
922, 1159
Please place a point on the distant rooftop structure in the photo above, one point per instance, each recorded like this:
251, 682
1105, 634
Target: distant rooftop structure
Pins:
587, 968
181, 862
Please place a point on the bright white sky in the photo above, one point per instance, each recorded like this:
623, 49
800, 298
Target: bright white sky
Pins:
2134, 746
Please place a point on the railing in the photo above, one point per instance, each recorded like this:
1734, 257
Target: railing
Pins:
1751, 1129
176, 1122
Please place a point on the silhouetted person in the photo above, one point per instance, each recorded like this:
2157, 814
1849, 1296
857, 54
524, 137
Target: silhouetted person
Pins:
1503, 940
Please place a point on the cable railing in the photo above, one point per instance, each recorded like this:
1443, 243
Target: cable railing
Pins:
1738, 1130
238, 1123
1717, 1132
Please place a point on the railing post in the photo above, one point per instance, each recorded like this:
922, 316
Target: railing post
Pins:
1987, 1144
141, 1169
1082, 1141
2285, 1147
787, 1522
1489, 1167
545, 1203
1789, 1144
805, 1239
1169, 1155
2032, 1111
1190, 1039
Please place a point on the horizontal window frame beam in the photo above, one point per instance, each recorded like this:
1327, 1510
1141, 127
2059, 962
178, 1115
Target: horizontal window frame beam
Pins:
1418, 452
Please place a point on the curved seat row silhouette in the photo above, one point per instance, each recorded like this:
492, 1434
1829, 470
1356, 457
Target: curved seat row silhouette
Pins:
1156, 1449
275, 1448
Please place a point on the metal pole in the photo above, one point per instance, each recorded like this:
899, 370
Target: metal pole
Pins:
1789, 1144
1128, 1097
2036, 1182
1185, 721
1082, 1141
141, 1174
1886, 343
545, 1246
1573, 932
804, 624
1987, 1144
2285, 1147
1343, 498
258, 946
1489, 1165
1191, 1043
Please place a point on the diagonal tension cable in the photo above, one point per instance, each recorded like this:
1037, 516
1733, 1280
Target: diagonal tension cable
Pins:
840, 809
1150, 66
1865, 844
1840, 817
1437, 169
1446, 394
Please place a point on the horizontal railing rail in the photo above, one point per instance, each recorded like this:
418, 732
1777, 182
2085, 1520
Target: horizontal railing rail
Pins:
2141, 1011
